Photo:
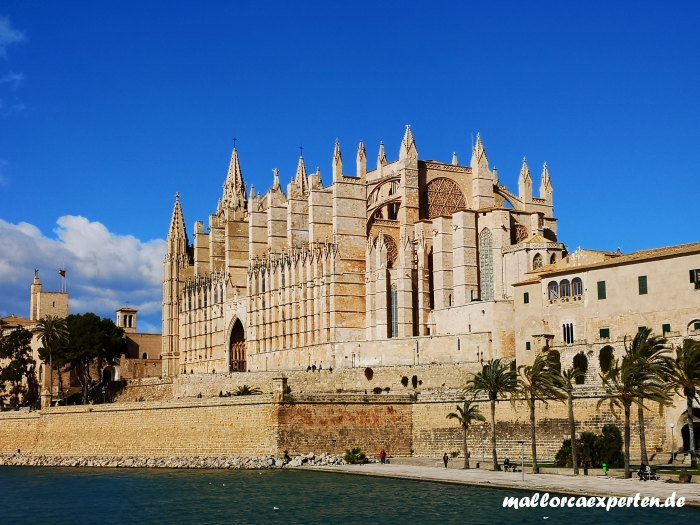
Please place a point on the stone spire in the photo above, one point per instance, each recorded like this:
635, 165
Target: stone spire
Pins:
455, 160
337, 161
361, 160
479, 153
234, 194
301, 179
177, 223
381, 158
276, 180
525, 183
546, 189
408, 145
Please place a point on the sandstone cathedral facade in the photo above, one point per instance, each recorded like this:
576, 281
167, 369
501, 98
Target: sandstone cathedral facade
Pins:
419, 255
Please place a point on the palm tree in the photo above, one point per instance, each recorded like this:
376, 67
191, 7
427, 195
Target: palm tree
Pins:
495, 380
652, 350
466, 415
567, 380
247, 390
686, 379
537, 382
52, 331
627, 383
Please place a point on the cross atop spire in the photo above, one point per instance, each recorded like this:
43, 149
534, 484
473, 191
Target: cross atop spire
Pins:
525, 171
546, 189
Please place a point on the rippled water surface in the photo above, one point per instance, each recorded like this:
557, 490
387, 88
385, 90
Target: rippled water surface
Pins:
108, 496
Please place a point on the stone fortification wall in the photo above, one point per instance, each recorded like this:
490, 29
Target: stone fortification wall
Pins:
337, 423
147, 389
235, 426
434, 434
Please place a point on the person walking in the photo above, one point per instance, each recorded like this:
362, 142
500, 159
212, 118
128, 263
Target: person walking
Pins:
445, 459
382, 456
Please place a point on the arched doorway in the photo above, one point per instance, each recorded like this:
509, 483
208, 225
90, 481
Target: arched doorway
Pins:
236, 348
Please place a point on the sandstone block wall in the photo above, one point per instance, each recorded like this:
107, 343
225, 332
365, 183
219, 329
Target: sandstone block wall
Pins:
335, 424
236, 426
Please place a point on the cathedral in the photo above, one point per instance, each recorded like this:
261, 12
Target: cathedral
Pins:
412, 262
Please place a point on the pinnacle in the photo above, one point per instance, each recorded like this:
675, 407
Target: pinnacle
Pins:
381, 158
177, 222
408, 144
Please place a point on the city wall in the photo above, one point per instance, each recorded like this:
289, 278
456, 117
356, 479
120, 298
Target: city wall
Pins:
262, 425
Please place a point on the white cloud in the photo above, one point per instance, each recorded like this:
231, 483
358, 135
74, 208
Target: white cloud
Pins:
8, 35
105, 270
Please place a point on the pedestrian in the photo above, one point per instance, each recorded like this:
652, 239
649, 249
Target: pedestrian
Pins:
382, 456
445, 459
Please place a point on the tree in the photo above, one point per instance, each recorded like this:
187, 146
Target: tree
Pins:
651, 350
537, 382
495, 380
465, 416
686, 380
91, 341
567, 379
52, 332
247, 390
628, 382
18, 381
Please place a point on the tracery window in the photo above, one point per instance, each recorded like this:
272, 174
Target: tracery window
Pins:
537, 261
553, 291
443, 198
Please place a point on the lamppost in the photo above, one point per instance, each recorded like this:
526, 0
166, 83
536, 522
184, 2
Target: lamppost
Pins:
483, 452
673, 445
522, 458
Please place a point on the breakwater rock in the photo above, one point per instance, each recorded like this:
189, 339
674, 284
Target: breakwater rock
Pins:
178, 462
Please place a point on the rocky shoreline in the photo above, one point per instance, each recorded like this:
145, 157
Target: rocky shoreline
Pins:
173, 462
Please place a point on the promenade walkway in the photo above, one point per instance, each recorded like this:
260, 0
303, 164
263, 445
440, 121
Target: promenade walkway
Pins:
553, 483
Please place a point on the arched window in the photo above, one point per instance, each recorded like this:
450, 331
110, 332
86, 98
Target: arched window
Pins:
553, 291
553, 258
537, 261
564, 288
486, 265
216, 295
577, 286
206, 296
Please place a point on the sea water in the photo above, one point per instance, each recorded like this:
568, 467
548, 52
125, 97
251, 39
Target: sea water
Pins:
117, 496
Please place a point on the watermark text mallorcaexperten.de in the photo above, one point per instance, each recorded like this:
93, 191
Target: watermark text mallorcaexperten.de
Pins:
589, 502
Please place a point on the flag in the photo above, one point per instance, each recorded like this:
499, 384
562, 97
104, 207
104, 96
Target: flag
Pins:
62, 272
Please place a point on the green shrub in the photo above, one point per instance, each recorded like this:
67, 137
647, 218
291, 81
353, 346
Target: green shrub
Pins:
414, 381
369, 373
605, 358
594, 449
611, 447
554, 360
404, 381
581, 363
377, 390
355, 456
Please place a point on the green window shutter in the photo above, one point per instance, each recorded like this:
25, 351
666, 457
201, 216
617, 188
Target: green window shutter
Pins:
604, 333
642, 284
526, 297
692, 276
666, 328
601, 290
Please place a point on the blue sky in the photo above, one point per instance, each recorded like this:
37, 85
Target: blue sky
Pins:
108, 109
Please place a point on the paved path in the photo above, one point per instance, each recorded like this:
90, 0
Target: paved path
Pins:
581, 485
